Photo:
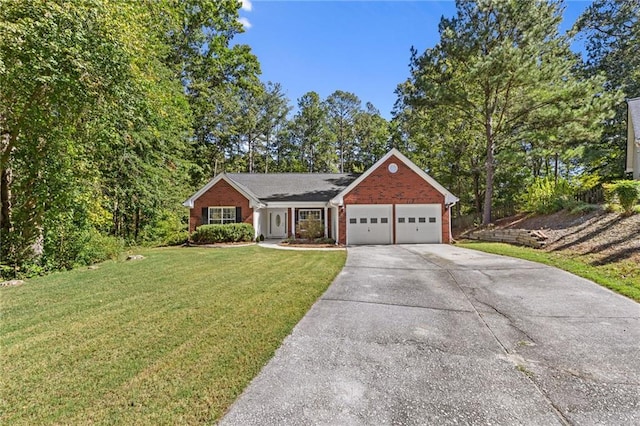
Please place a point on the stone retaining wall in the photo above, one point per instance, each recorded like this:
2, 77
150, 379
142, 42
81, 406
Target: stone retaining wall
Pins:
523, 237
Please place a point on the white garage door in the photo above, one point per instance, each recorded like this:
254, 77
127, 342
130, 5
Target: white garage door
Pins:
418, 223
369, 224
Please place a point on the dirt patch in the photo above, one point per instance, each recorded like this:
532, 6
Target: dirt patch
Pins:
609, 237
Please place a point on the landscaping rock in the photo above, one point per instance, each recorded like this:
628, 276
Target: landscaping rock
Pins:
92, 267
11, 283
135, 257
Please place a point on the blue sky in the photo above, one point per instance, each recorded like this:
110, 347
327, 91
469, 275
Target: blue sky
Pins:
359, 46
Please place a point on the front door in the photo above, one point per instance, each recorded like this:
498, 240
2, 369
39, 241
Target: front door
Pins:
277, 223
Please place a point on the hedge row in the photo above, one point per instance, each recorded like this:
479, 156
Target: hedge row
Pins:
229, 233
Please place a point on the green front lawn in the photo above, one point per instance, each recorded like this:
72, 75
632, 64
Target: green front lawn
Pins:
171, 339
622, 276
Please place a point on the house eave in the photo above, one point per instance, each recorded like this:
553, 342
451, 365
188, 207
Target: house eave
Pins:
296, 204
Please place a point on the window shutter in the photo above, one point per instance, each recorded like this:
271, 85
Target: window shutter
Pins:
238, 214
205, 215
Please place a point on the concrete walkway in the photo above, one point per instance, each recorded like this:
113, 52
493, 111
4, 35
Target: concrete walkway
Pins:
435, 334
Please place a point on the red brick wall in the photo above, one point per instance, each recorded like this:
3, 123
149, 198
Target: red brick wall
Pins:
402, 187
221, 194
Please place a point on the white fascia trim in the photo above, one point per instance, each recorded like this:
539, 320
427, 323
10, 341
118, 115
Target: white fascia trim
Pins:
449, 198
253, 200
296, 204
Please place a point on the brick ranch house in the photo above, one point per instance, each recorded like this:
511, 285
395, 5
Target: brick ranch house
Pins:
393, 202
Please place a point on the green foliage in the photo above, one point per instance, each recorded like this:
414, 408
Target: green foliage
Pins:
228, 233
309, 134
611, 32
342, 109
168, 229
310, 229
499, 93
582, 208
177, 238
96, 121
626, 193
545, 196
96, 247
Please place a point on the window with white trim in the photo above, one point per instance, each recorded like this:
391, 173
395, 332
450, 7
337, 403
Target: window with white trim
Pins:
222, 215
306, 214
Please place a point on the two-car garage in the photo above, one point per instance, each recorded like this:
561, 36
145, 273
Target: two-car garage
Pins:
374, 223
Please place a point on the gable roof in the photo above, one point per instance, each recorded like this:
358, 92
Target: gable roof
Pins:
294, 186
634, 117
449, 198
259, 188
246, 192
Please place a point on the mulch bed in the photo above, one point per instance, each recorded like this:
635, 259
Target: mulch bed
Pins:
608, 236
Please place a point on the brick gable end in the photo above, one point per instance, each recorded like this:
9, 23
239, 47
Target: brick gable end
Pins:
221, 194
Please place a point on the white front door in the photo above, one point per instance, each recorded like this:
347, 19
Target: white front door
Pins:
277, 223
418, 223
369, 224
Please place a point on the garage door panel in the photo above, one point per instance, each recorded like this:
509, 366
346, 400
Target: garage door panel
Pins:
418, 223
369, 224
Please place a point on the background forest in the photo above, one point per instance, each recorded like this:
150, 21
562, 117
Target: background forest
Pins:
112, 113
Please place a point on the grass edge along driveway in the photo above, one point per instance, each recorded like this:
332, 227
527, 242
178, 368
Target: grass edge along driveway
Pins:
623, 277
171, 339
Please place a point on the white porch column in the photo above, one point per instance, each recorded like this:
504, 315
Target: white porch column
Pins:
293, 222
337, 229
326, 223
256, 222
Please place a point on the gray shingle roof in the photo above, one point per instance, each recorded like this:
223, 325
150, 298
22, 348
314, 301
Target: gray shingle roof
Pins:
634, 113
294, 186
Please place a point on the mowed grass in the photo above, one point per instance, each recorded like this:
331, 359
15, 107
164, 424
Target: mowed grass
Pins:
622, 276
171, 339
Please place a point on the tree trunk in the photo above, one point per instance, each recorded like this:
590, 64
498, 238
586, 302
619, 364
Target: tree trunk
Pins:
250, 143
489, 165
5, 211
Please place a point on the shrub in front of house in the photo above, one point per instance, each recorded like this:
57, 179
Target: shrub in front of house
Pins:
176, 238
310, 229
229, 233
623, 192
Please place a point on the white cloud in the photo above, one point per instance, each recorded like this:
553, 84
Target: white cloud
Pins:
246, 5
245, 22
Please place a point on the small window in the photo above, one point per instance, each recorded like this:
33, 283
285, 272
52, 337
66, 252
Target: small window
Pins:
384, 220
412, 220
353, 220
401, 220
422, 220
432, 220
373, 220
363, 220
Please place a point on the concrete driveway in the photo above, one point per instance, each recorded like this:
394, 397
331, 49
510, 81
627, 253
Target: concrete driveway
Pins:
436, 334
